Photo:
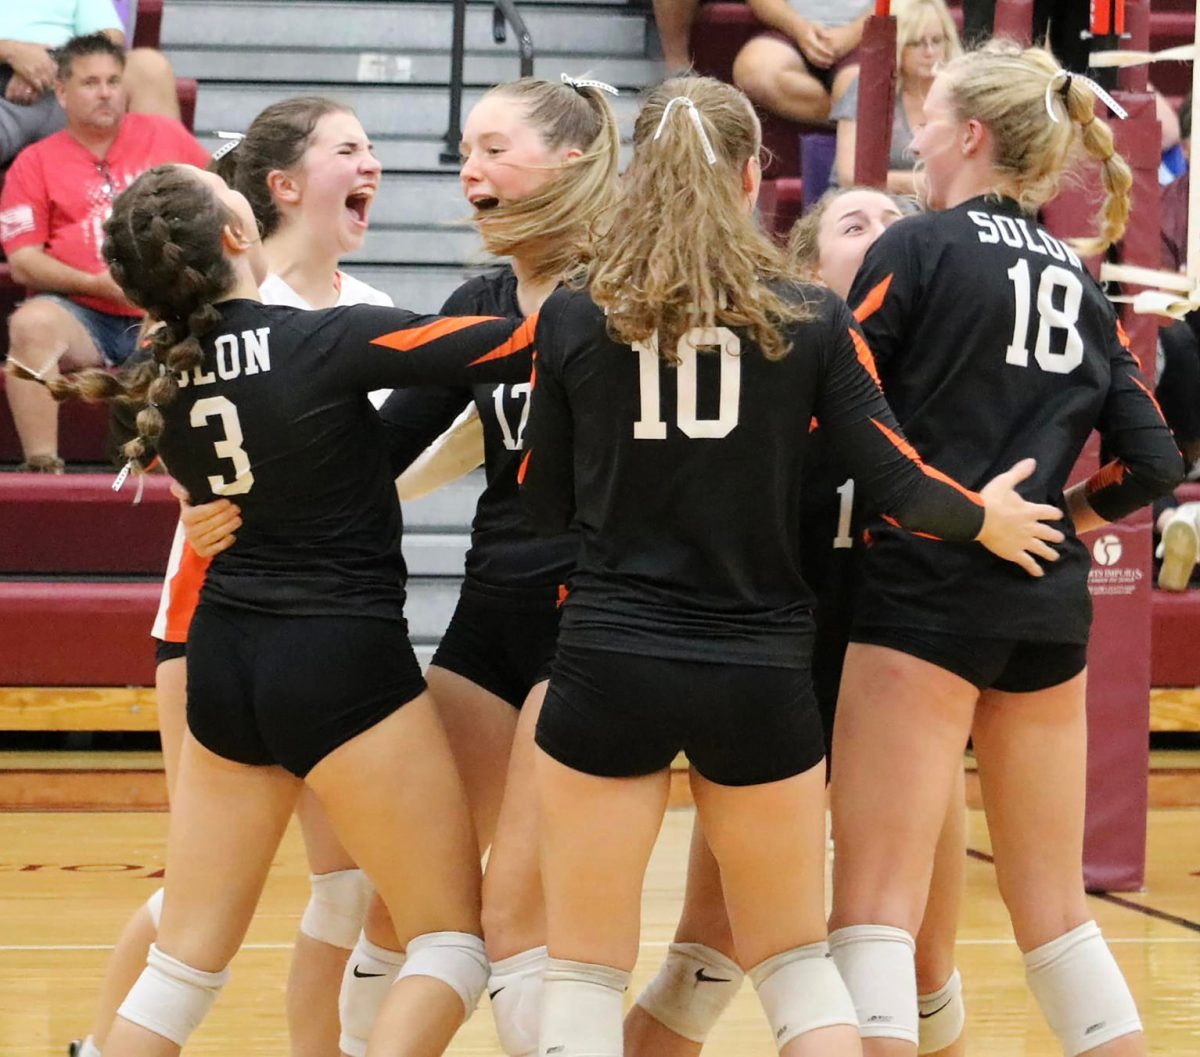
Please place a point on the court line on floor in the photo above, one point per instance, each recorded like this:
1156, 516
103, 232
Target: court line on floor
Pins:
1117, 901
1005, 941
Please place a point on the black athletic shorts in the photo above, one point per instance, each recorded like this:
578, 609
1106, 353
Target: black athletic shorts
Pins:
619, 715
289, 690
501, 641
168, 651
1010, 665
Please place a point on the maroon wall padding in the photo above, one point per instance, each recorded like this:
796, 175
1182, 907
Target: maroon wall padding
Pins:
1175, 631
876, 102
63, 633
780, 203
185, 91
1119, 683
1137, 38
147, 30
1014, 19
82, 431
76, 523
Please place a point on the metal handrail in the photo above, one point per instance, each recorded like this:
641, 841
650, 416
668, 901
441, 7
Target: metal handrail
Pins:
504, 14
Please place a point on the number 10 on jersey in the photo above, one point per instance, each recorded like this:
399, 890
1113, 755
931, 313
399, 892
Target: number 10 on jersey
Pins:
650, 424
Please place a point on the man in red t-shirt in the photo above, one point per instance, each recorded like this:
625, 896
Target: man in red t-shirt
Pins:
57, 196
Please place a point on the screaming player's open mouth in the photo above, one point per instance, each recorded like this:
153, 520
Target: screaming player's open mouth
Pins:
358, 204
485, 202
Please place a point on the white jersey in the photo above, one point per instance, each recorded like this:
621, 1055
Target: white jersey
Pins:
185, 568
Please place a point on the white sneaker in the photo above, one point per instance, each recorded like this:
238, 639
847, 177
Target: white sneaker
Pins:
1180, 548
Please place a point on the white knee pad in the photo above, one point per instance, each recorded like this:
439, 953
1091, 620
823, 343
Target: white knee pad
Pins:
337, 907
1080, 990
691, 989
456, 958
370, 972
515, 989
154, 907
170, 998
876, 961
942, 1016
583, 1010
800, 990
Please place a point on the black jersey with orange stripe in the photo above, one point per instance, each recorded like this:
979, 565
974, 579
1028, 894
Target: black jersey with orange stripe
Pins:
276, 417
506, 555
994, 343
686, 483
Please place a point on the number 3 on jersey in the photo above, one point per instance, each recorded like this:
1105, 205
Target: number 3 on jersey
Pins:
230, 447
650, 425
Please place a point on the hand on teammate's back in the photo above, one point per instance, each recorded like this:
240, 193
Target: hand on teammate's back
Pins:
1015, 529
208, 528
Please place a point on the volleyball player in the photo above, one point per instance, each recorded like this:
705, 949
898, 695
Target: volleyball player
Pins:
539, 166
688, 625
698, 978
298, 660
307, 168
991, 339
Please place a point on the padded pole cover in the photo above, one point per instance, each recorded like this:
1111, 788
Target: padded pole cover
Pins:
1014, 20
876, 101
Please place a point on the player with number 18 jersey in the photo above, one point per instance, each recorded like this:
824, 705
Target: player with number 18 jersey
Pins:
973, 407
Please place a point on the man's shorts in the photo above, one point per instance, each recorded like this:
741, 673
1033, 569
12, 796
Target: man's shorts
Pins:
114, 336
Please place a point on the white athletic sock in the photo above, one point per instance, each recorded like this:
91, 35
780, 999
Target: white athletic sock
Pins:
88, 1048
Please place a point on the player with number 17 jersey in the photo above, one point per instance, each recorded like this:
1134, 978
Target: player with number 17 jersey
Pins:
972, 408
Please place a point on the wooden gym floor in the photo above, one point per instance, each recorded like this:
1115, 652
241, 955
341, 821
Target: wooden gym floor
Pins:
68, 880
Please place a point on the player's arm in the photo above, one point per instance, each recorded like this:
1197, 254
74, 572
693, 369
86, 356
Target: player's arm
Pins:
547, 473
413, 418
455, 453
381, 347
885, 288
1146, 462
910, 493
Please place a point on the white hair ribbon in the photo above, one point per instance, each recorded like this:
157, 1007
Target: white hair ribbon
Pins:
1100, 93
234, 139
694, 115
577, 85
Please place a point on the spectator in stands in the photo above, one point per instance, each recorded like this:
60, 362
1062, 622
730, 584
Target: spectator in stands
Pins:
674, 20
29, 34
1064, 26
801, 67
56, 198
925, 38
1175, 198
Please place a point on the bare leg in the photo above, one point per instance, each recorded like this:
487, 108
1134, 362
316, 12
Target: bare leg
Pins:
674, 19
770, 843
774, 75
1032, 751
939, 926
223, 813
316, 971
514, 913
150, 82
899, 736
480, 727
128, 958
41, 334
418, 848
702, 920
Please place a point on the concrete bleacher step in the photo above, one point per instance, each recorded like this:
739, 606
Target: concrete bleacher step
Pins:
415, 111
347, 66
402, 28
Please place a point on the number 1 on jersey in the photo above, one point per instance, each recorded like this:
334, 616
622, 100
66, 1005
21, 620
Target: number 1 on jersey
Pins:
650, 424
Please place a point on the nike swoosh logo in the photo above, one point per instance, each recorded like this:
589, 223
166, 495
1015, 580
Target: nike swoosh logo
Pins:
365, 976
926, 1016
704, 978
493, 994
